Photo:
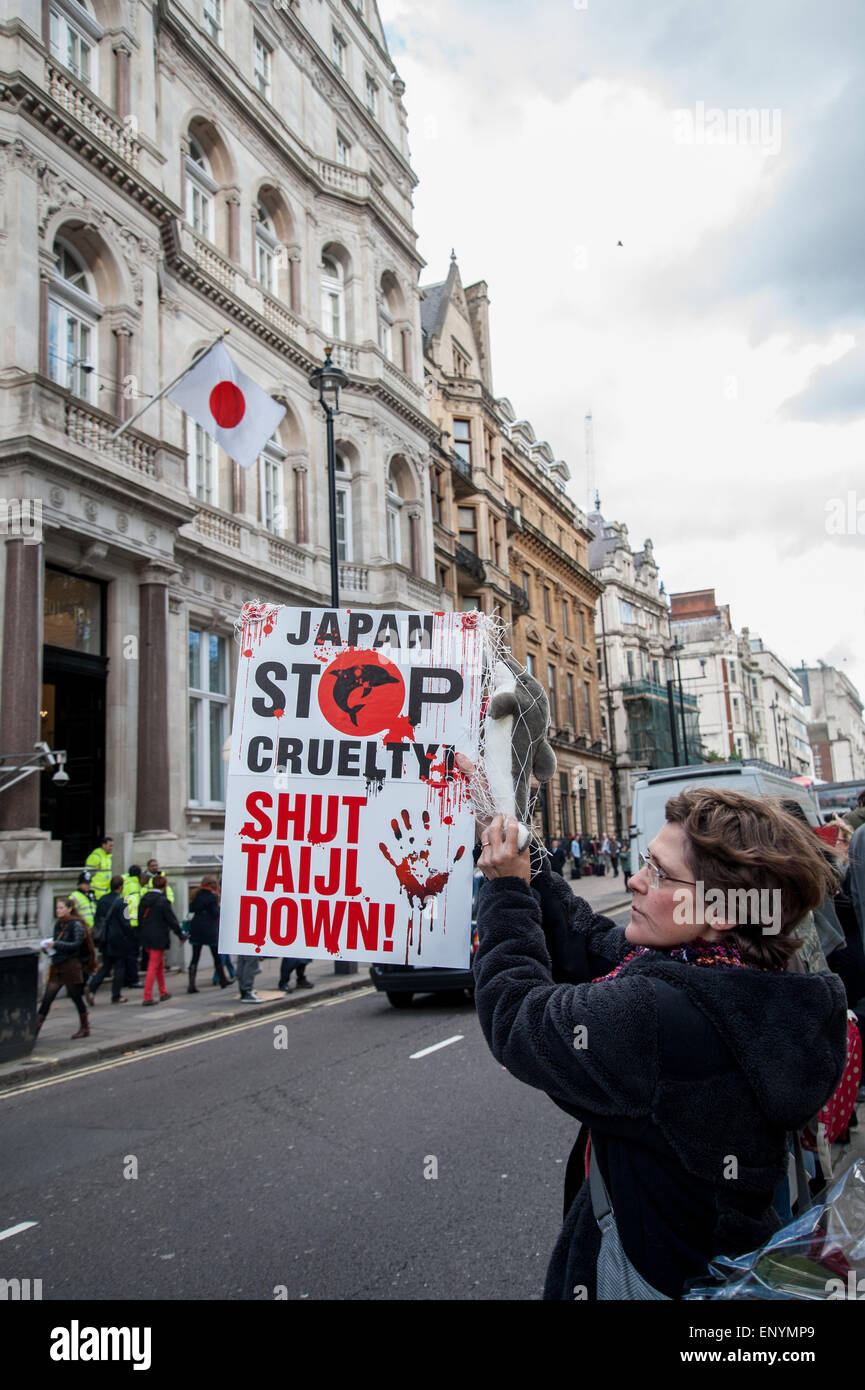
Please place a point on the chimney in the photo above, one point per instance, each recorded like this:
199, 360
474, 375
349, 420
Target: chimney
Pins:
478, 300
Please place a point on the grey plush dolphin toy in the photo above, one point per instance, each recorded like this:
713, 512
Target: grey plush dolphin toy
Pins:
516, 723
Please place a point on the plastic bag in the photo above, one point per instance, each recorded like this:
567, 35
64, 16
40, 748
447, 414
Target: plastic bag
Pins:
820, 1255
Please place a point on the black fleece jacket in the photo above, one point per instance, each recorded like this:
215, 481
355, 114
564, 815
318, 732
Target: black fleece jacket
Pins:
688, 1077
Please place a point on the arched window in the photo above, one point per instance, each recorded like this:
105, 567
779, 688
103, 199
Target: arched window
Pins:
271, 482
390, 309
394, 504
333, 297
73, 317
343, 510
74, 37
266, 250
200, 190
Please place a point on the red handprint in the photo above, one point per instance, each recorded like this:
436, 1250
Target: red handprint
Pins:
413, 870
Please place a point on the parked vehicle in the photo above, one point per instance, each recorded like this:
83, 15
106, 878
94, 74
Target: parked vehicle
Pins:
402, 982
751, 775
837, 798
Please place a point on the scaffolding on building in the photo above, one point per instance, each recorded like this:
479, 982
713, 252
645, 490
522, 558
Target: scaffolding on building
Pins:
650, 740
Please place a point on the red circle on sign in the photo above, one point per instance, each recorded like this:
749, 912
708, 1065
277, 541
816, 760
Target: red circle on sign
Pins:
361, 692
227, 404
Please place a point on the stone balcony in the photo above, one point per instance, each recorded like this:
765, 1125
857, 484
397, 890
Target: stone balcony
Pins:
86, 108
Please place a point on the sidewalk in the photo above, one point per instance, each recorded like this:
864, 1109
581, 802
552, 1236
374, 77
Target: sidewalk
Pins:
603, 893
118, 1029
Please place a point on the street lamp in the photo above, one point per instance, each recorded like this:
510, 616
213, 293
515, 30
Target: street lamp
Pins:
677, 648
14, 767
328, 380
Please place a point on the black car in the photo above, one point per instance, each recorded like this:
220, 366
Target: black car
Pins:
402, 982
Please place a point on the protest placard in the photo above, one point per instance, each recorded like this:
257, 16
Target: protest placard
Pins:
348, 827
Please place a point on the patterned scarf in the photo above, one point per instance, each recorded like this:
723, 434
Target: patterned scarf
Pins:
697, 952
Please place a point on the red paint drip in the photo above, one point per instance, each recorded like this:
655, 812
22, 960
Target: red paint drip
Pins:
400, 731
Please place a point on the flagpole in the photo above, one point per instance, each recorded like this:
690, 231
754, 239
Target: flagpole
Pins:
186, 370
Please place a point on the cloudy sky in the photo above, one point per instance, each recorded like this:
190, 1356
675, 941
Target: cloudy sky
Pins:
721, 347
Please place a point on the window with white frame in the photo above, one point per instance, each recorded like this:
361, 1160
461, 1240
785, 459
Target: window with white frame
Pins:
200, 191
332, 298
201, 457
343, 510
73, 318
337, 49
271, 484
343, 151
394, 503
208, 716
266, 250
371, 95
213, 19
73, 38
262, 63
385, 331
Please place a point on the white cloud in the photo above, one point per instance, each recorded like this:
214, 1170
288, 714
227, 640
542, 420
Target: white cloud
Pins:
540, 146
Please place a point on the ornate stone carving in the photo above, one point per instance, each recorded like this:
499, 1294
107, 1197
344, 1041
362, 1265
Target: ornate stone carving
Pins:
91, 511
57, 497
152, 535
122, 522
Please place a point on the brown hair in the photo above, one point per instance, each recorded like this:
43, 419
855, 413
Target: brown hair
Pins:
160, 882
744, 842
117, 883
210, 882
73, 908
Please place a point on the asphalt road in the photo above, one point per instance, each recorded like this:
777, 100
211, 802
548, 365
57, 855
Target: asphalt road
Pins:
295, 1170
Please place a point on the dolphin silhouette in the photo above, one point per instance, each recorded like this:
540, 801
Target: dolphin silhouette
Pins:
361, 678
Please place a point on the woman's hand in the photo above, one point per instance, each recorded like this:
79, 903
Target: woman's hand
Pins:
501, 857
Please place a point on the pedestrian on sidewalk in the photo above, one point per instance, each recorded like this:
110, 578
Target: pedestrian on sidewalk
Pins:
116, 939
204, 930
287, 964
684, 1044
576, 858
69, 950
99, 862
557, 857
156, 922
614, 855
247, 969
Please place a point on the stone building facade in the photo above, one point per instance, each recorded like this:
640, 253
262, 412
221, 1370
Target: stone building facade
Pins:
836, 732
509, 541
635, 662
168, 171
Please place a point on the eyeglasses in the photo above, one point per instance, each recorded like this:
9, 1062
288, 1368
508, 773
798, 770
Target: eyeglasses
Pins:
657, 875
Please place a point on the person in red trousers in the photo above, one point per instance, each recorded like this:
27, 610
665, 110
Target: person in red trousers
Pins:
156, 922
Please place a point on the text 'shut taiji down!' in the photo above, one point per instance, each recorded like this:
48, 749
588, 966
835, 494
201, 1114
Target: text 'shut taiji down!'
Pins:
348, 828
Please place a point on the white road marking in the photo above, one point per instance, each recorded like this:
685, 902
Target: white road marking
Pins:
425, 1051
14, 1230
141, 1054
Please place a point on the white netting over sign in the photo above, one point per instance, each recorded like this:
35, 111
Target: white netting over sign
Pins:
513, 741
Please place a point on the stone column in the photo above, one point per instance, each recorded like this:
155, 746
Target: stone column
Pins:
233, 201
406, 351
238, 489
300, 505
44, 311
121, 78
123, 359
414, 543
294, 283
184, 151
21, 695
153, 801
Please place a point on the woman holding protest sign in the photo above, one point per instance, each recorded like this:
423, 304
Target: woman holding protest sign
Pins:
683, 1044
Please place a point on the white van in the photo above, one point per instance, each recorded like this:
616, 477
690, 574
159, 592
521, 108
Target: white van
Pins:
755, 778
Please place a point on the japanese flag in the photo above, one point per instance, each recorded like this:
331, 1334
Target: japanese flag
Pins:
228, 405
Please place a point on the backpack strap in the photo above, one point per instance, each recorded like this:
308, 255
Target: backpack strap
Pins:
601, 1204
